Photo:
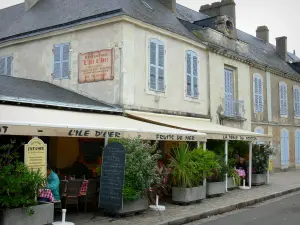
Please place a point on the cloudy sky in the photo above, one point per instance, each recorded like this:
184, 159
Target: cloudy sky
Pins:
281, 16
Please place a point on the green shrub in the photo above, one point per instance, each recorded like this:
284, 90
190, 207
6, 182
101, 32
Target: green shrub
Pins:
260, 158
140, 169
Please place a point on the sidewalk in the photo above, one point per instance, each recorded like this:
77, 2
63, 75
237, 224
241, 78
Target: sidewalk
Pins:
280, 184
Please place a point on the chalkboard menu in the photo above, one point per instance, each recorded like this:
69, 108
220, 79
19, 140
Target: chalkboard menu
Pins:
112, 177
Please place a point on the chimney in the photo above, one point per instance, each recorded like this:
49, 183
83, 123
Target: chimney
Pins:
262, 32
170, 4
29, 4
281, 47
223, 8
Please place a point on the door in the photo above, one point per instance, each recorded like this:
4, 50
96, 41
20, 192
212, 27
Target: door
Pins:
285, 156
229, 96
297, 147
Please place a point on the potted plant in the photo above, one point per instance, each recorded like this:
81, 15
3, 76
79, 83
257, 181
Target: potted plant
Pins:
233, 179
260, 161
216, 182
140, 173
189, 169
18, 192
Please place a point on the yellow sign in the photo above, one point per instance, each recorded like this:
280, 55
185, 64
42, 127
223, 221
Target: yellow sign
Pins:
36, 155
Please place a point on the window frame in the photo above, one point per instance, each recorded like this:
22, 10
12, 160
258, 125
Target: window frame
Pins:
282, 83
61, 46
296, 88
5, 68
261, 95
193, 95
156, 90
284, 130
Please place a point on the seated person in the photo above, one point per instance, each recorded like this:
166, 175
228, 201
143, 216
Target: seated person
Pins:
53, 183
79, 168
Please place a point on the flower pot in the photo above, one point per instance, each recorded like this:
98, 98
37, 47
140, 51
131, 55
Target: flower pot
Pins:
215, 188
134, 206
188, 195
230, 183
43, 214
258, 179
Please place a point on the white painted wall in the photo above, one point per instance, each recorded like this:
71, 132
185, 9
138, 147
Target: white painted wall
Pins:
34, 59
138, 96
217, 64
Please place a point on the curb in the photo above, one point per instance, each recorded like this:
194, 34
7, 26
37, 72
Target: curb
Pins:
195, 217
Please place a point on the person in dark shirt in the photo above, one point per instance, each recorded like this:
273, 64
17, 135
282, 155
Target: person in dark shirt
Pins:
79, 168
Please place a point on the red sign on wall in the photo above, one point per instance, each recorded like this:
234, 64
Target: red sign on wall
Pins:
96, 66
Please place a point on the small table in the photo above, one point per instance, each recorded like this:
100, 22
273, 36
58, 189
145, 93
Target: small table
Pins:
46, 193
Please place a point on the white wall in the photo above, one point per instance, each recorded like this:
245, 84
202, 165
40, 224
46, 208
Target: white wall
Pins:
34, 59
217, 64
136, 94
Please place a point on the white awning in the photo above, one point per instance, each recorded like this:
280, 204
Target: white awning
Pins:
20, 120
213, 131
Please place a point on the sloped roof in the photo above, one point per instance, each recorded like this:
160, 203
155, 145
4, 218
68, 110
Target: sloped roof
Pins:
20, 90
48, 15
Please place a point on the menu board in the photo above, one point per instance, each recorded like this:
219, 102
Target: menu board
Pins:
112, 177
36, 156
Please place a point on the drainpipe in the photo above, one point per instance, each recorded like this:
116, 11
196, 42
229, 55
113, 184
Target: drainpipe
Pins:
121, 74
208, 89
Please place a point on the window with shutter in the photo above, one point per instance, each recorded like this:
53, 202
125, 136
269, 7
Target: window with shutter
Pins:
258, 96
259, 130
297, 146
61, 54
296, 101
192, 74
156, 65
284, 148
6, 65
229, 94
283, 99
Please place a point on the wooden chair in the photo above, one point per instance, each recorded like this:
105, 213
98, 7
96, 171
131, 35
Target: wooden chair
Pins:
72, 195
91, 193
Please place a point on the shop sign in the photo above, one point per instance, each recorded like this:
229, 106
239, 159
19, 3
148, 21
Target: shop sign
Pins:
93, 133
112, 177
239, 138
36, 155
3, 129
96, 66
172, 137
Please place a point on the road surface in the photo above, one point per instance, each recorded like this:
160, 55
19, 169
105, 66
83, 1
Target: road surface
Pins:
283, 211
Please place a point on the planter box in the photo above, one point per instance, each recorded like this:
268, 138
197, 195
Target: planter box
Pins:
231, 184
43, 214
188, 195
134, 206
259, 179
215, 188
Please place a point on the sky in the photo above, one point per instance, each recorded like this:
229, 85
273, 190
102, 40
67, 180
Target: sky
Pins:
281, 16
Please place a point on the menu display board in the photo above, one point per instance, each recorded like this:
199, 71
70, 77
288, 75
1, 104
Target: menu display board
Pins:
35, 156
112, 177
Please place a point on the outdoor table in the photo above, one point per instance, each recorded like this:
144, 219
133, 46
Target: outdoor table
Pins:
46, 193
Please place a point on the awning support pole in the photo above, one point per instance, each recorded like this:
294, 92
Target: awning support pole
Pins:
226, 163
250, 165
198, 144
204, 148
106, 139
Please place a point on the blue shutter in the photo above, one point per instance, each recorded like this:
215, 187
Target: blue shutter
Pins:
2, 65
255, 94
161, 68
153, 66
284, 148
283, 99
9, 65
195, 76
229, 104
297, 146
189, 74
260, 94
57, 62
297, 101
65, 60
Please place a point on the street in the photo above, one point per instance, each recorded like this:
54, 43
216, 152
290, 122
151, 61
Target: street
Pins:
285, 211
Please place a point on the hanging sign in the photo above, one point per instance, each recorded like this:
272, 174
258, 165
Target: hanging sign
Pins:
96, 66
36, 155
112, 177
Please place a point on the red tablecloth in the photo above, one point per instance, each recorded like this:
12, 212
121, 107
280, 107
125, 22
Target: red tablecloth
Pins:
241, 173
46, 193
